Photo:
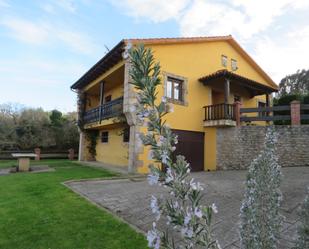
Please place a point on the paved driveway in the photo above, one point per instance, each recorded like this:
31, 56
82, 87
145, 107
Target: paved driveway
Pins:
129, 199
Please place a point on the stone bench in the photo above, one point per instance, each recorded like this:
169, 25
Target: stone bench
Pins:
23, 160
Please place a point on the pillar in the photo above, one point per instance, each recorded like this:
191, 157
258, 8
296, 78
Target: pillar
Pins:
295, 112
37, 151
81, 146
71, 154
237, 106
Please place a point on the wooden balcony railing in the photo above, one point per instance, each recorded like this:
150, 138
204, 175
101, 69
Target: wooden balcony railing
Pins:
219, 112
105, 111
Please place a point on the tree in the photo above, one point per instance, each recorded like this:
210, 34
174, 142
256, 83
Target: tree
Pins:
259, 213
303, 228
27, 128
56, 118
184, 214
297, 83
32, 129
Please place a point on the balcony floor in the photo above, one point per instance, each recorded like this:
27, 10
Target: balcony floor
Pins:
220, 123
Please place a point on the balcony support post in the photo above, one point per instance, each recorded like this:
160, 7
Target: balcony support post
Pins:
101, 100
226, 91
226, 96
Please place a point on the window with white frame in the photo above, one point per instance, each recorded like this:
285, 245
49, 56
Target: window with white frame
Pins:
234, 64
174, 89
224, 60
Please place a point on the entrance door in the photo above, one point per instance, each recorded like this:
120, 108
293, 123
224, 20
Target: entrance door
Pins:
191, 145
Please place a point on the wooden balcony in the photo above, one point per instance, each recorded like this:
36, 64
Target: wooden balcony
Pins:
108, 110
219, 115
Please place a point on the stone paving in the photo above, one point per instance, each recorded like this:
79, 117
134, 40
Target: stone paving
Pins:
129, 199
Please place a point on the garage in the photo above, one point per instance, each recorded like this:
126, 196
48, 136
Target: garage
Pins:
191, 145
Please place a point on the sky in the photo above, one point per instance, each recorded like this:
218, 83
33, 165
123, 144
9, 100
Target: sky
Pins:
45, 46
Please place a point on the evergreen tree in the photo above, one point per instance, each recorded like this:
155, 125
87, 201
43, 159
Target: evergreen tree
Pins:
259, 213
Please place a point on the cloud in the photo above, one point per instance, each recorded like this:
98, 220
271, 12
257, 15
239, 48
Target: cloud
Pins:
244, 18
44, 33
25, 30
283, 58
260, 24
154, 10
53, 5
67, 5
4, 3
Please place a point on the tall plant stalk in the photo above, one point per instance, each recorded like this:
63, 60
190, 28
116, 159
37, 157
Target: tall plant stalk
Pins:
259, 214
182, 211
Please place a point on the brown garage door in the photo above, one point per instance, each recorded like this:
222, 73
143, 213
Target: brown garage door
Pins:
191, 145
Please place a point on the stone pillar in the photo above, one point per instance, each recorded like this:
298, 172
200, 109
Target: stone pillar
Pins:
237, 106
295, 112
81, 146
71, 154
37, 151
129, 101
23, 164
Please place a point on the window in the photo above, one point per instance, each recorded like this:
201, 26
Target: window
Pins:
174, 89
234, 64
104, 137
108, 98
224, 60
126, 135
261, 104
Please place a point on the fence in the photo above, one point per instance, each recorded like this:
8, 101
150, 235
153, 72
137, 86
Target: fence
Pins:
7, 154
219, 111
295, 112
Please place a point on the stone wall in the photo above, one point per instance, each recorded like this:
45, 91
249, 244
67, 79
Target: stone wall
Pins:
238, 146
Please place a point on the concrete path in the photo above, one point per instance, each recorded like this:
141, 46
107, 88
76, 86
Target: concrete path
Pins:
129, 199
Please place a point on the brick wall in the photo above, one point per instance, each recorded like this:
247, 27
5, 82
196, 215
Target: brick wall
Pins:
238, 146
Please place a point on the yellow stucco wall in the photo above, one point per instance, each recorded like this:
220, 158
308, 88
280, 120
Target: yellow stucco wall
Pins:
115, 89
192, 61
115, 152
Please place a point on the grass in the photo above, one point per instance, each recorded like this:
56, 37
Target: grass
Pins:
38, 212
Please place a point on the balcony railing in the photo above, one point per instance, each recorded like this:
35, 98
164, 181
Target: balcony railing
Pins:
219, 112
105, 111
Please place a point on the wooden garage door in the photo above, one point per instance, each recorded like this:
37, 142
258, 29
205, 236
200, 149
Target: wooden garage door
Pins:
191, 145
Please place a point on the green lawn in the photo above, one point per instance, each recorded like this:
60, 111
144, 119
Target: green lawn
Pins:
37, 211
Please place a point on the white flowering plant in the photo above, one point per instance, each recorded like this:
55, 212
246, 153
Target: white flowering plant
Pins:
187, 220
303, 227
259, 213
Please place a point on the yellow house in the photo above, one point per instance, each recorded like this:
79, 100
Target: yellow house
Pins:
201, 76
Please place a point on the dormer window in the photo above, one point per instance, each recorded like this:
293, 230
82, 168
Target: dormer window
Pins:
234, 64
224, 60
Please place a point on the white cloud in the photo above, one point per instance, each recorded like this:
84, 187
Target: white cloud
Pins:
284, 56
67, 5
43, 33
53, 5
155, 10
257, 23
25, 30
241, 17
4, 3
77, 41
